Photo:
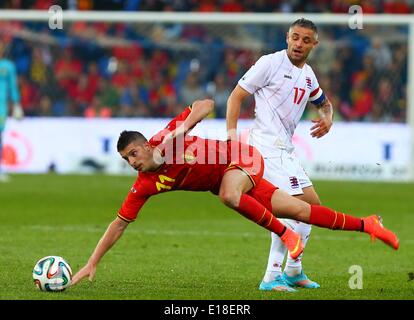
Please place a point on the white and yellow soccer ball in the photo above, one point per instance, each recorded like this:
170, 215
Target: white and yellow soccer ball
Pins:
52, 273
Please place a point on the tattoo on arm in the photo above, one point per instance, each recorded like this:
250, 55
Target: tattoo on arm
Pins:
325, 108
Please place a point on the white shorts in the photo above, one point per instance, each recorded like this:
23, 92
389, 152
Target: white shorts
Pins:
286, 172
283, 169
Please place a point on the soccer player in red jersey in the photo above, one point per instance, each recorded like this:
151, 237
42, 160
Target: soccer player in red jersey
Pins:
174, 160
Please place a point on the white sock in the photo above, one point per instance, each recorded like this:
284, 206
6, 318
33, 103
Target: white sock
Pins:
294, 266
276, 257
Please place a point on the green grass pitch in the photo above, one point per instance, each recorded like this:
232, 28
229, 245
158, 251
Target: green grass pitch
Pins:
187, 245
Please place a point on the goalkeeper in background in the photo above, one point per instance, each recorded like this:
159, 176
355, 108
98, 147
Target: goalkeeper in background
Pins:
8, 89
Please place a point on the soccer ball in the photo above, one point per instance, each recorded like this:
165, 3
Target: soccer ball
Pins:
52, 273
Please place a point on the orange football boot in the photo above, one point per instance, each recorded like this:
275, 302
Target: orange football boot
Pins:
293, 243
373, 226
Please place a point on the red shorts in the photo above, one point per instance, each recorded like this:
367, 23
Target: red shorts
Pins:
246, 158
263, 192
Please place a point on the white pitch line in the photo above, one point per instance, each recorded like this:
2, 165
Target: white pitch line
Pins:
90, 229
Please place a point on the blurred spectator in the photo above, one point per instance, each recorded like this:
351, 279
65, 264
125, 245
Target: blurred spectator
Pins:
385, 104
85, 4
286, 7
97, 110
129, 100
396, 6
137, 67
93, 77
29, 97
339, 6
169, 98
369, 6
231, 6
127, 52
191, 90
108, 98
43, 4
219, 91
380, 53
82, 93
362, 99
207, 6
194, 33
39, 67
67, 69
45, 107
132, 5
121, 78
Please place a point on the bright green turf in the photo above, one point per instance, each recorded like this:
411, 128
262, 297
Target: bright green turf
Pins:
188, 245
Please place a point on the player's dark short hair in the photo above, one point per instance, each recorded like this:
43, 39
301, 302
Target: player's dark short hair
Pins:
304, 23
126, 137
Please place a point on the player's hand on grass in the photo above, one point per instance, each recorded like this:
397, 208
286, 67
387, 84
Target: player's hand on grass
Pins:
321, 127
87, 271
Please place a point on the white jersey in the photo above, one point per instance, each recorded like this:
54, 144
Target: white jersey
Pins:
281, 91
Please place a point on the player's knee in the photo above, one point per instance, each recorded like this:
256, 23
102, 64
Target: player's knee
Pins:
230, 198
302, 212
298, 211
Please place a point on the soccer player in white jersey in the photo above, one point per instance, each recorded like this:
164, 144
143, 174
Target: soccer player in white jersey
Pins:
282, 84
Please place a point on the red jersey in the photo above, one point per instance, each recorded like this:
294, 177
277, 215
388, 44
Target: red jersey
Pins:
193, 164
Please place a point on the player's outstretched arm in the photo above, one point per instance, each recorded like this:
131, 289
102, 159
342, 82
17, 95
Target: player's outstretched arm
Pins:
110, 237
199, 110
234, 103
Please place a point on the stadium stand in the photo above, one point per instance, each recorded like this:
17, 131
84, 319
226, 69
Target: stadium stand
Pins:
129, 70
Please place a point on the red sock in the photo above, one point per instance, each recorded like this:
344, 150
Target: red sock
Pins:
256, 212
327, 218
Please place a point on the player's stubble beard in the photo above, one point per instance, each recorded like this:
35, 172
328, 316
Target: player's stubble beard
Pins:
300, 61
148, 165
